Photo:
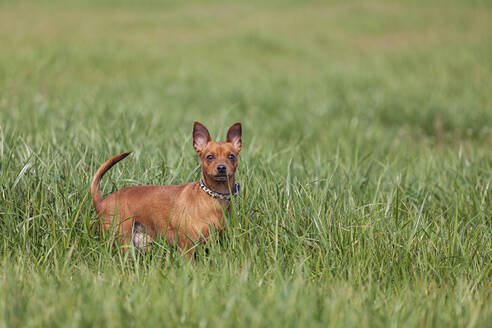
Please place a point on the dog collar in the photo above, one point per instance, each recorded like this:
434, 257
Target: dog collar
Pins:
220, 195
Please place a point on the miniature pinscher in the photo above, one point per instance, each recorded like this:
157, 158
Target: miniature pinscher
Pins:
184, 214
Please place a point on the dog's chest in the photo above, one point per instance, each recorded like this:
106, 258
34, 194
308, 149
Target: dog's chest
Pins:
199, 213
214, 213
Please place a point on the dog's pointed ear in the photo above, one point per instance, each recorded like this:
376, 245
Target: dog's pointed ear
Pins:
234, 136
201, 137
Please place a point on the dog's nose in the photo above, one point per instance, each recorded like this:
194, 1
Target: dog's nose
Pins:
221, 168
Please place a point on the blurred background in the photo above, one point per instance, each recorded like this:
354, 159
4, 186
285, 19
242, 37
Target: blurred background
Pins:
418, 69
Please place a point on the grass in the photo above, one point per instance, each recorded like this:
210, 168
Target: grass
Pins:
366, 168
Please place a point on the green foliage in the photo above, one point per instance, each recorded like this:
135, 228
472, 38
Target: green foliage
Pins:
366, 169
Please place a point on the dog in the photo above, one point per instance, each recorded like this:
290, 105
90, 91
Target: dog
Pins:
183, 214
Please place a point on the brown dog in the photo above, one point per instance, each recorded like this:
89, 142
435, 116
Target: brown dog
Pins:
183, 213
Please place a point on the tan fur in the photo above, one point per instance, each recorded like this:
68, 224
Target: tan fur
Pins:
184, 214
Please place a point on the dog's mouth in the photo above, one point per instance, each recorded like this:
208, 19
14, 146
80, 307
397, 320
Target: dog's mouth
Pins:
221, 177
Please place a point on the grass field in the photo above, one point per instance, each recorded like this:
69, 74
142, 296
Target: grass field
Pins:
366, 168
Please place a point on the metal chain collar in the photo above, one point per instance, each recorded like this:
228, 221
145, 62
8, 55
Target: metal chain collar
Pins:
220, 195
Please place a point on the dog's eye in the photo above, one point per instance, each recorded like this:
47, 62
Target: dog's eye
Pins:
231, 157
210, 158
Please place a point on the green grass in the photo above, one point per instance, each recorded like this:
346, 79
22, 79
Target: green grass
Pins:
366, 168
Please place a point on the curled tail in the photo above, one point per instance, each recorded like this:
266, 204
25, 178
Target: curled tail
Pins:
95, 190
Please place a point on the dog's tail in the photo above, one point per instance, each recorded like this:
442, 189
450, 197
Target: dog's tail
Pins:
95, 189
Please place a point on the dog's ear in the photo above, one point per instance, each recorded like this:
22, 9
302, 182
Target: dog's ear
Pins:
201, 137
234, 136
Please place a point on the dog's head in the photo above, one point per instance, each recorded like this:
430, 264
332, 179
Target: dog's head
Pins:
218, 159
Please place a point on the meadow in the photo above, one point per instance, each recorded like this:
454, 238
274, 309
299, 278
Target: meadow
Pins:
366, 167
